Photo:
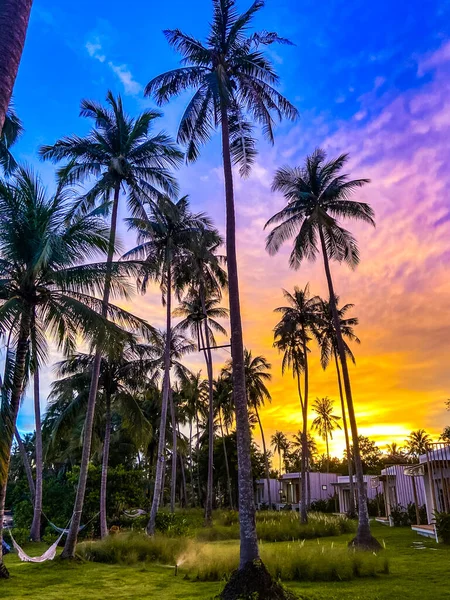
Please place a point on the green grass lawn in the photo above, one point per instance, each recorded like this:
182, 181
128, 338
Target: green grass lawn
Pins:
415, 575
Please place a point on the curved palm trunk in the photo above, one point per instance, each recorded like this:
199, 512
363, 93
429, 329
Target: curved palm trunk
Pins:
227, 466
14, 17
266, 460
364, 538
26, 463
72, 537
248, 538
105, 462
209, 368
351, 507
173, 479
160, 465
9, 420
35, 532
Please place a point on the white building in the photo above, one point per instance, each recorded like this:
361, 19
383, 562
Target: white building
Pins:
287, 490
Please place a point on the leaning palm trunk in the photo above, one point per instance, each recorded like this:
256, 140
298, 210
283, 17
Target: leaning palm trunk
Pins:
71, 541
35, 532
161, 460
227, 467
105, 462
26, 463
14, 16
248, 539
209, 369
364, 538
266, 460
173, 481
9, 420
351, 507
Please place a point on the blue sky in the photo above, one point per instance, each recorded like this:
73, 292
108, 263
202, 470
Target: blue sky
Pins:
355, 66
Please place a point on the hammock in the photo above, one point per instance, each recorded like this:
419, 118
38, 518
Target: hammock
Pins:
136, 513
6, 548
48, 555
66, 531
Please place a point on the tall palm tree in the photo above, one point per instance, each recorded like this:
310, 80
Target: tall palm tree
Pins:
122, 372
280, 444
43, 284
292, 335
417, 443
208, 277
234, 85
326, 336
164, 239
223, 404
119, 152
325, 422
12, 129
317, 195
14, 16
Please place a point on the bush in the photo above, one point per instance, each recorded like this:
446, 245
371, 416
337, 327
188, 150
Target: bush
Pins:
324, 506
21, 535
442, 520
292, 562
405, 516
283, 527
131, 548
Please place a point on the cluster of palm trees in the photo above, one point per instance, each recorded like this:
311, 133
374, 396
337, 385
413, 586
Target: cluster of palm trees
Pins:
50, 290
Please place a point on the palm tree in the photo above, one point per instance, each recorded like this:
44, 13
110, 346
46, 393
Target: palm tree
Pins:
223, 403
164, 239
122, 373
395, 454
256, 376
118, 152
328, 346
325, 422
12, 129
234, 84
44, 290
292, 335
14, 16
417, 443
317, 195
208, 277
280, 444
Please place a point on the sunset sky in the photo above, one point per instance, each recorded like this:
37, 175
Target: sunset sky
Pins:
369, 78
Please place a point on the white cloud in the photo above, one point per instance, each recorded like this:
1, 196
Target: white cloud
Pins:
93, 48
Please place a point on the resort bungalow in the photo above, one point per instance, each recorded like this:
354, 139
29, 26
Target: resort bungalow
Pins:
342, 488
287, 490
401, 486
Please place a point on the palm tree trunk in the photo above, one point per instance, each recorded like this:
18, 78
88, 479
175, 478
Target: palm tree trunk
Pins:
173, 479
197, 452
304, 458
183, 473
72, 537
266, 460
328, 451
35, 532
105, 462
26, 463
351, 506
364, 538
191, 466
14, 17
227, 466
160, 465
209, 369
9, 420
248, 538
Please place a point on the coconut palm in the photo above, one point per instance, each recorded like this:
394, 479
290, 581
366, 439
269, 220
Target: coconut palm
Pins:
326, 336
43, 285
318, 194
417, 443
164, 239
292, 336
119, 152
280, 444
14, 16
325, 422
208, 277
223, 405
234, 86
122, 373
12, 129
